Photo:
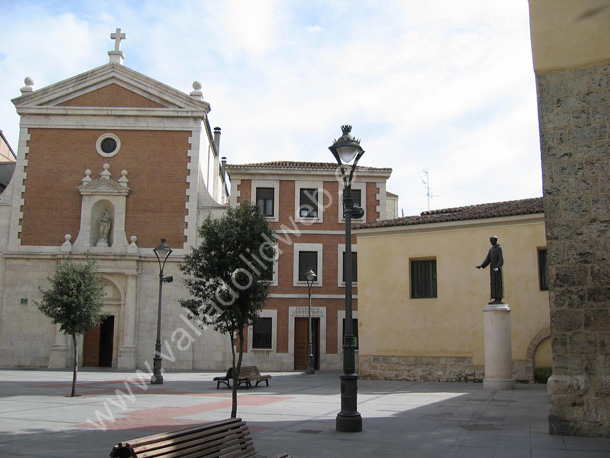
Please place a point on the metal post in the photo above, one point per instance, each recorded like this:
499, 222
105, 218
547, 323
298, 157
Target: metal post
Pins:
345, 150
349, 419
157, 378
162, 252
310, 361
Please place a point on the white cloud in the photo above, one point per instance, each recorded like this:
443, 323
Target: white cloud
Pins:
441, 85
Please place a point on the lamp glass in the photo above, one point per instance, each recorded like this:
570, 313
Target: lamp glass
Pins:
347, 153
310, 275
162, 251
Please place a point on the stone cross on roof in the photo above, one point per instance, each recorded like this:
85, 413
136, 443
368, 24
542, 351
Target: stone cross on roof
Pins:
117, 55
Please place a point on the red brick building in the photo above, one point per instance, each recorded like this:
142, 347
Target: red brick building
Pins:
108, 163
303, 202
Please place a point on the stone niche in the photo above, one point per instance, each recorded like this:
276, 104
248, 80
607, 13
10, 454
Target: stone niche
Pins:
103, 203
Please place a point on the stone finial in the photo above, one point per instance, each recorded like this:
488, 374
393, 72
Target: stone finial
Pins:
133, 248
29, 82
106, 173
117, 55
67, 245
196, 93
123, 180
87, 177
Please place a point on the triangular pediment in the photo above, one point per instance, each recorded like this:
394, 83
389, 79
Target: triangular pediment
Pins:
103, 187
112, 85
112, 95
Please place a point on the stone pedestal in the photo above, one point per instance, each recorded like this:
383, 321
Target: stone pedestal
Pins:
498, 353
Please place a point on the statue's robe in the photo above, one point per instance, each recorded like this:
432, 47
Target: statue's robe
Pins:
495, 260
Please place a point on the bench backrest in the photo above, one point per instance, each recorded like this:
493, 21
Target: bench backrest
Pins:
244, 371
214, 439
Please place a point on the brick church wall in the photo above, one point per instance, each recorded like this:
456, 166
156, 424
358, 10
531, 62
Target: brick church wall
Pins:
112, 95
156, 162
574, 111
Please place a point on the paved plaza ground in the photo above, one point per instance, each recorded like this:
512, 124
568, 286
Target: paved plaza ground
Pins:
295, 414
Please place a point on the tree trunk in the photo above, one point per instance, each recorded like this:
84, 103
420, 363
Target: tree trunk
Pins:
236, 369
75, 365
235, 378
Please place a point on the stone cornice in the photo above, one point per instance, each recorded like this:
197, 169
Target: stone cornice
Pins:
111, 73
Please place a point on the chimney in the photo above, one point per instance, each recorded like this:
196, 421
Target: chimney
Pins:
217, 139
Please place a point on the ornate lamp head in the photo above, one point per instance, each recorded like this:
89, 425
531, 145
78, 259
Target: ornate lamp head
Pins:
346, 148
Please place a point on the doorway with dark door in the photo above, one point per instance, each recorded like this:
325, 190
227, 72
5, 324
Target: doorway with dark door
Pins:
300, 343
98, 344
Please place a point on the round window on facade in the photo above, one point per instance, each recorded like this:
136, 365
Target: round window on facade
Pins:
108, 145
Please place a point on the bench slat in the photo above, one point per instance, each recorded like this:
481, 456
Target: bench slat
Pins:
225, 436
205, 441
208, 450
216, 426
164, 443
224, 439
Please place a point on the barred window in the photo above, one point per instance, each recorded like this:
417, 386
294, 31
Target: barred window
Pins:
423, 279
543, 270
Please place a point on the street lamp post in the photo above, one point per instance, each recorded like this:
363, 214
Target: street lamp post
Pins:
310, 276
162, 252
345, 150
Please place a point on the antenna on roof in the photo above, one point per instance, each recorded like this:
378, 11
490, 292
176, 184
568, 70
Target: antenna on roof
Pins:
426, 183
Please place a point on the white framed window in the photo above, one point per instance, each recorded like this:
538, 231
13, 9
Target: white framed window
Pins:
265, 194
341, 265
307, 256
359, 198
308, 201
263, 333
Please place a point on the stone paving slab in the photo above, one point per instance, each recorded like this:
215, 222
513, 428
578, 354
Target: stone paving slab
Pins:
295, 414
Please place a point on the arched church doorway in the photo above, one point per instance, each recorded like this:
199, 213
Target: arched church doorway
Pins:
98, 344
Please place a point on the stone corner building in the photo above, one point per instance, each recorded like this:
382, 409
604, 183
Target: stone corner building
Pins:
108, 163
571, 49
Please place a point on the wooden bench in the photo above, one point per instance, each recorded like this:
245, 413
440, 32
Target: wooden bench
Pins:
251, 373
223, 438
247, 375
226, 379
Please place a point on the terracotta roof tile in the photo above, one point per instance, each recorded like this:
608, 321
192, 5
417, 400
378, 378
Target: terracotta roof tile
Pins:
471, 212
293, 165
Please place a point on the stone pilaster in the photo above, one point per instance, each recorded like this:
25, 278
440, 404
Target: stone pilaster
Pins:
127, 351
574, 111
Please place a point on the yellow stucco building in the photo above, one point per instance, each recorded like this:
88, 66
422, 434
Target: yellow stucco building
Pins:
421, 298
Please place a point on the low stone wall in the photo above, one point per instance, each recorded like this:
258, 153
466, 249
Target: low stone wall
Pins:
419, 368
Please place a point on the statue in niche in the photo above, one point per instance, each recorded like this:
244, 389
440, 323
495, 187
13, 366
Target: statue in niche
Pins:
105, 222
495, 261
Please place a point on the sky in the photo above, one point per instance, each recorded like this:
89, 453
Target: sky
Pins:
440, 91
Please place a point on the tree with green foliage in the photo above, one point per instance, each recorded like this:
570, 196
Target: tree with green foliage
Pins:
74, 300
227, 276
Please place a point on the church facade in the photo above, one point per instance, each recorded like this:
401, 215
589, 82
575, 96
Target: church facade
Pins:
108, 164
